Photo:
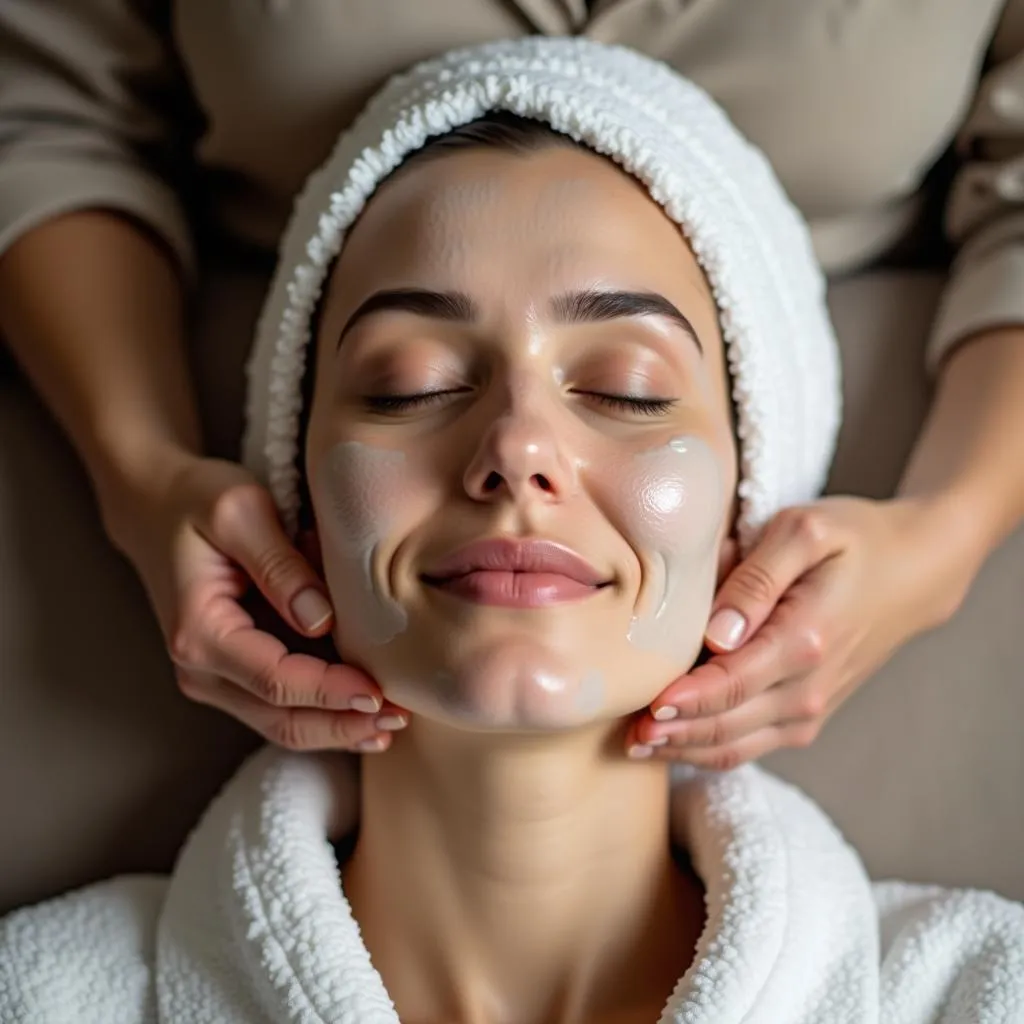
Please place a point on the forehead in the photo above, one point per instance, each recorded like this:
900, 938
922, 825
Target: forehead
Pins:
514, 228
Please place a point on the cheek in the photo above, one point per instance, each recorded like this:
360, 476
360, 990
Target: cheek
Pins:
357, 493
676, 502
673, 506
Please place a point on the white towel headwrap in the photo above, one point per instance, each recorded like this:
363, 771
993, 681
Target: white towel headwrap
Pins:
751, 243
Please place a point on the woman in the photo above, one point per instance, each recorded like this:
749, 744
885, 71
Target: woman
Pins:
104, 104
520, 453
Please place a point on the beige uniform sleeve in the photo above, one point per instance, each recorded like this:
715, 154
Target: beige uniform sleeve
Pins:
985, 214
94, 113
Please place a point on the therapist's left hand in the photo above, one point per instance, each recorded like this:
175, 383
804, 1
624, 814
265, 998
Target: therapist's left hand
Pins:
827, 594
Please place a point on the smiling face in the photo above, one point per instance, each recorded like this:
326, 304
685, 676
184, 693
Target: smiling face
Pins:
519, 454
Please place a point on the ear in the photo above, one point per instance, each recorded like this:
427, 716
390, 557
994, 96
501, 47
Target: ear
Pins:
728, 558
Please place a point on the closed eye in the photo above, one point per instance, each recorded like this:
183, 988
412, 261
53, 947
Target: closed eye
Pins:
630, 403
406, 403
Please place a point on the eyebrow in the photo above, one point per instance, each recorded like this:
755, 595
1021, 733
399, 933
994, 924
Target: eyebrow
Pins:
588, 306
592, 306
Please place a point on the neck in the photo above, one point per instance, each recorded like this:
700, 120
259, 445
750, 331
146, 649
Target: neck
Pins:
523, 879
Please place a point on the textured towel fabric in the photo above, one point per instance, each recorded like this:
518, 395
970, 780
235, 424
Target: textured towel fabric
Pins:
254, 928
747, 236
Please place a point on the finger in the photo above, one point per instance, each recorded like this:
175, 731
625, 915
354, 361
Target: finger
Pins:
715, 730
207, 688
727, 681
790, 645
795, 541
243, 523
751, 747
795, 700
262, 665
223, 642
303, 729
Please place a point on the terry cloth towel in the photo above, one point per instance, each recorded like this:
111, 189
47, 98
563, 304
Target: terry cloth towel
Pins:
253, 926
749, 239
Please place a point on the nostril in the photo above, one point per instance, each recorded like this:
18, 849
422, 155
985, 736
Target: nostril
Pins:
542, 482
493, 482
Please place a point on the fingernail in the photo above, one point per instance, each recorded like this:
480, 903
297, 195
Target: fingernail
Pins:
665, 713
371, 746
390, 723
726, 628
658, 741
365, 703
311, 609
640, 750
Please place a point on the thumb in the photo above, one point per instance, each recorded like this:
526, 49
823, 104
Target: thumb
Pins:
245, 526
793, 543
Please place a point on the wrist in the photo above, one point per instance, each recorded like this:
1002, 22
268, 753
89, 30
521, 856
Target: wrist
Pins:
130, 477
961, 516
948, 532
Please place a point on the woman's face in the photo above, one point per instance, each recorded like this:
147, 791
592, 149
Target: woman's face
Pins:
520, 454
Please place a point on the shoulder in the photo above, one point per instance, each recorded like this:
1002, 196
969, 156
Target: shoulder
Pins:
958, 948
86, 956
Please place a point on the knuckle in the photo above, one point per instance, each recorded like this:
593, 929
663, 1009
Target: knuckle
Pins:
810, 646
184, 649
809, 527
319, 696
754, 582
724, 760
288, 730
717, 732
233, 507
734, 691
804, 735
347, 732
270, 688
726, 690
275, 566
812, 706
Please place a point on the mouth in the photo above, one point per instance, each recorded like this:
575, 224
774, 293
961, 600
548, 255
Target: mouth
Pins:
516, 574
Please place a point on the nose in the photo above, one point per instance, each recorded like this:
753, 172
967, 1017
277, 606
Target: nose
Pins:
520, 457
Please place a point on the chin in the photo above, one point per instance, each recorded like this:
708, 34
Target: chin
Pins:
524, 686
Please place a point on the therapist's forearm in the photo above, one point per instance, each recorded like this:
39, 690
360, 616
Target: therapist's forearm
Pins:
92, 308
968, 463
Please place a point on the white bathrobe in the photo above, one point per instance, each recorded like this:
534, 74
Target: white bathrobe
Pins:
253, 926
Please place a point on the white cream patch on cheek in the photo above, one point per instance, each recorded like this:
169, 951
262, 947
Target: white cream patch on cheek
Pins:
677, 505
358, 491
591, 693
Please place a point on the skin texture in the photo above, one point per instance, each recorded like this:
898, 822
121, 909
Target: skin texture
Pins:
638, 496
506, 806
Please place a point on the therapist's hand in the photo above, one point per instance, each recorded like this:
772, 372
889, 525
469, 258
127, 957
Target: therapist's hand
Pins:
828, 593
202, 533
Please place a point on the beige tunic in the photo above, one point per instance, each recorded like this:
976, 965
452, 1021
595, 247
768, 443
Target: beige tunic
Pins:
115, 103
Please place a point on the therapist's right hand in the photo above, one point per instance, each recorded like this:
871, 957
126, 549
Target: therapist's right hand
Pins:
202, 533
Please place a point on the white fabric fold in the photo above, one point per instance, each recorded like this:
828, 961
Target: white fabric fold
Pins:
254, 928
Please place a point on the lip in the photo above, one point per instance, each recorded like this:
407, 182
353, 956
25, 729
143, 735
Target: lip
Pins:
516, 573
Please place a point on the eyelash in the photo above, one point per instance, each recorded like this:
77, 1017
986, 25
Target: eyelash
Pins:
406, 403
